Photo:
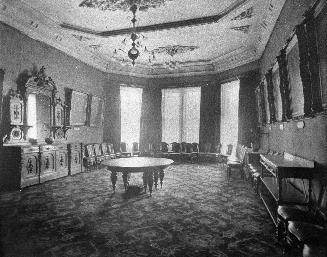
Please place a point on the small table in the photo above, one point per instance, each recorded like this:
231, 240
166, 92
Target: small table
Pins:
152, 168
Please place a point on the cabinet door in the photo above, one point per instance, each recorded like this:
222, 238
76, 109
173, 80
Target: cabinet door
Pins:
30, 170
62, 161
48, 166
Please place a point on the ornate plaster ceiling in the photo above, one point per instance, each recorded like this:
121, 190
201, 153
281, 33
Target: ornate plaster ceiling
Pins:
175, 36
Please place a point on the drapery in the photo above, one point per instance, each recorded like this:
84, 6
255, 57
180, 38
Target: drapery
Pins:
181, 114
229, 113
210, 111
130, 114
111, 128
150, 118
247, 121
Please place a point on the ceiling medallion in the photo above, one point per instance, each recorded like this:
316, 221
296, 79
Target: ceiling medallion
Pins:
122, 5
172, 50
248, 13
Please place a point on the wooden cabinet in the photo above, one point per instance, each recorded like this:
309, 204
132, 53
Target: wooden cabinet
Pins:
278, 185
48, 163
61, 161
21, 166
75, 158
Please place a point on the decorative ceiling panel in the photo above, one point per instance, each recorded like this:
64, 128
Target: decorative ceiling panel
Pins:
173, 36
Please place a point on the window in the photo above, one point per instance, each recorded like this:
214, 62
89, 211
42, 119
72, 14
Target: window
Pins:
31, 117
131, 102
229, 114
181, 114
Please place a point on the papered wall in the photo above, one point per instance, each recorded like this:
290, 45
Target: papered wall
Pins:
311, 141
19, 53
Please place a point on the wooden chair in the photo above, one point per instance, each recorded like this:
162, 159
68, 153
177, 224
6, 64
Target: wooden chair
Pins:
163, 150
89, 157
135, 149
311, 213
111, 151
252, 169
123, 150
175, 152
187, 151
237, 162
98, 154
148, 150
195, 156
105, 151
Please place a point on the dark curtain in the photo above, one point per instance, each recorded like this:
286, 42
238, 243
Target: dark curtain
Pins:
2, 74
304, 68
247, 112
210, 112
313, 62
111, 126
151, 130
263, 103
270, 89
284, 86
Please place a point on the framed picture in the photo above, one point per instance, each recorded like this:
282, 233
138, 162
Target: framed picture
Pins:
96, 111
78, 108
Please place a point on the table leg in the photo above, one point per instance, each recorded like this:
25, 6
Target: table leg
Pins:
150, 181
155, 177
113, 178
161, 176
145, 181
125, 179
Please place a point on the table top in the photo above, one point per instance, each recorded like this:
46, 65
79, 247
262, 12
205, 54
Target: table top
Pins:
136, 164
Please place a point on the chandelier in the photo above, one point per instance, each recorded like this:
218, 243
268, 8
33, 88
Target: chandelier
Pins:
133, 53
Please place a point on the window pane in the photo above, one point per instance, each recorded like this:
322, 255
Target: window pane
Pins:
181, 114
31, 117
191, 118
171, 115
131, 102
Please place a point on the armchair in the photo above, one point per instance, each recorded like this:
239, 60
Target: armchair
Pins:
135, 149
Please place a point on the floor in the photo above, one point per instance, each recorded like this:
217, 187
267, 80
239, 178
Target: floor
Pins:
196, 213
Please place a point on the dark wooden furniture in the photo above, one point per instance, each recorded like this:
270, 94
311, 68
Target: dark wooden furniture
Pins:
89, 157
152, 168
276, 188
123, 150
21, 167
75, 156
135, 149
252, 169
237, 162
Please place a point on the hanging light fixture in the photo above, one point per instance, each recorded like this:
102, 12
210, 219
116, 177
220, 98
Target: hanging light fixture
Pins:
133, 53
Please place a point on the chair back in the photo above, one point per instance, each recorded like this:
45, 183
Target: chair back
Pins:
97, 149
218, 148
111, 148
229, 149
164, 147
183, 147
104, 148
123, 147
89, 150
195, 147
188, 148
135, 147
176, 147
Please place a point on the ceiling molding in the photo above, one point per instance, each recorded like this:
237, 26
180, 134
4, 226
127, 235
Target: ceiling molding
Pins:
159, 26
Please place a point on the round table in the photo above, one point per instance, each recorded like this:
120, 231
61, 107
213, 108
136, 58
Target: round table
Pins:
152, 168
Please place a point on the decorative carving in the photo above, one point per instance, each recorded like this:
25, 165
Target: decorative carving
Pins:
173, 49
245, 29
122, 5
47, 162
81, 38
62, 161
95, 47
29, 166
248, 13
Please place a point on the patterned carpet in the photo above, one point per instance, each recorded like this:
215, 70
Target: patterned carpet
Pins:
196, 213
